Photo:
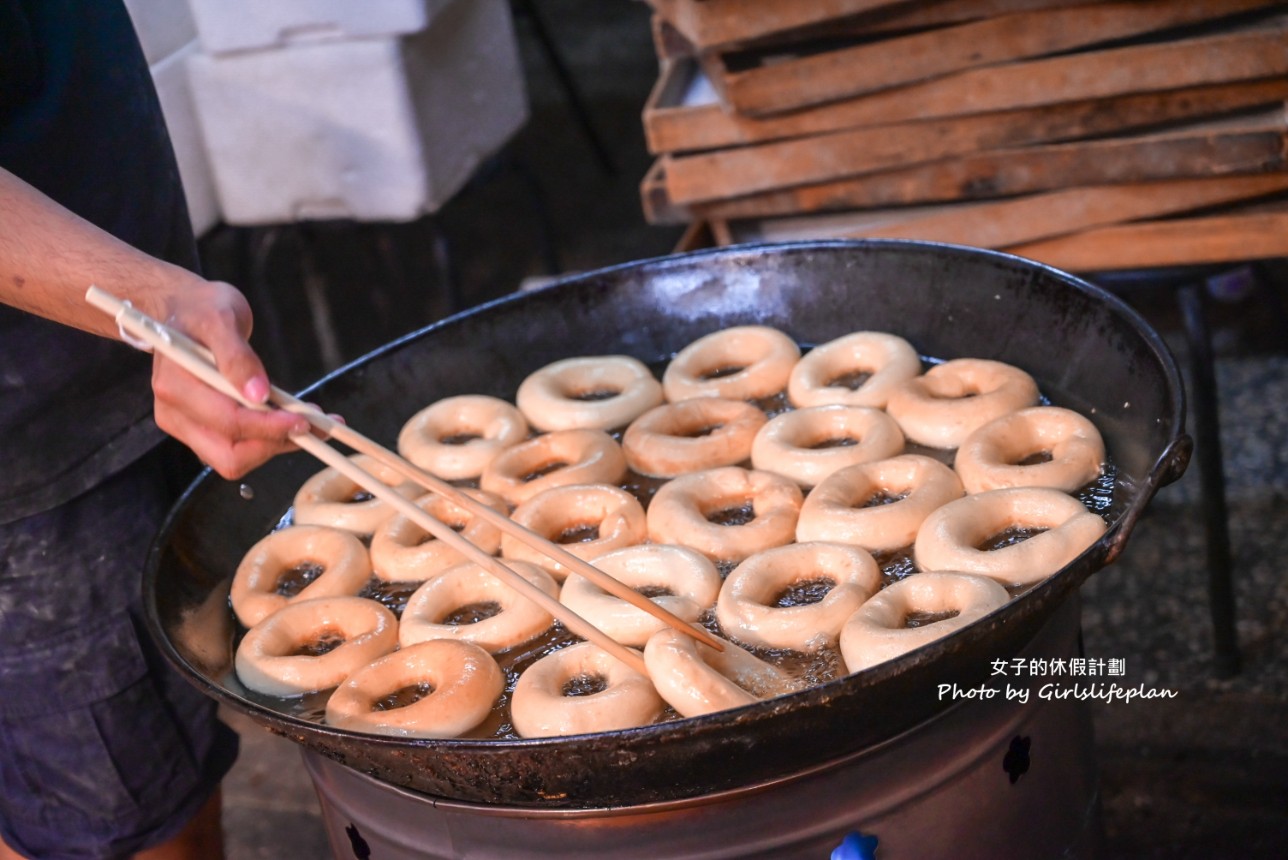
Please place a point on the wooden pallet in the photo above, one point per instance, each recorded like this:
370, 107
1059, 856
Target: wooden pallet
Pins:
1260, 233
773, 80
1019, 221
1244, 56
677, 119
718, 23
1252, 143
1089, 134
714, 26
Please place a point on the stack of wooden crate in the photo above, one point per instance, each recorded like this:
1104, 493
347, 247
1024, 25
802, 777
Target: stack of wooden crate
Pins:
1090, 135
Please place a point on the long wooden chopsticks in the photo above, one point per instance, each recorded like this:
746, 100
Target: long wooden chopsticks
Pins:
344, 433
144, 332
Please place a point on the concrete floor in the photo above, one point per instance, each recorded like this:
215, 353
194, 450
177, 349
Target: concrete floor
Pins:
1202, 775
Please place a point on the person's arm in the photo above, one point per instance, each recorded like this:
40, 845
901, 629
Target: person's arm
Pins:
49, 257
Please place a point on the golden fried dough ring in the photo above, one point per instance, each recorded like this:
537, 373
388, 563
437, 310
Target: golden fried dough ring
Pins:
950, 537
746, 607
329, 498
838, 510
740, 363
464, 683
517, 619
878, 631
601, 392
542, 707
991, 458
272, 657
809, 444
689, 580
346, 569
696, 679
886, 359
552, 460
456, 437
692, 435
402, 551
616, 517
680, 510
950, 401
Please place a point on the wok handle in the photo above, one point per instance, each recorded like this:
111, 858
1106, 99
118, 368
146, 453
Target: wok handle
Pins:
1169, 467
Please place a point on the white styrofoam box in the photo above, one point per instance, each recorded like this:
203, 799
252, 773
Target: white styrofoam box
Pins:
371, 129
163, 26
171, 80
239, 25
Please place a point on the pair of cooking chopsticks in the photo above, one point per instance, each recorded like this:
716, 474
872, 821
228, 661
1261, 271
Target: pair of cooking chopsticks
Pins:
144, 332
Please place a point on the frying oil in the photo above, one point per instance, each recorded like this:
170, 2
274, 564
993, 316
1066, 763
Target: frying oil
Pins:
805, 669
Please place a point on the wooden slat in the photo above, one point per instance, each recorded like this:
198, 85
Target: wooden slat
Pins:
713, 23
695, 237
722, 232
789, 83
668, 43
1259, 53
657, 206
907, 17
671, 128
670, 125
1234, 237
1251, 144
1008, 223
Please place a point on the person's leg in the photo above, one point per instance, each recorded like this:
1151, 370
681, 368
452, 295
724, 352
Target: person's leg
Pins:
104, 749
201, 839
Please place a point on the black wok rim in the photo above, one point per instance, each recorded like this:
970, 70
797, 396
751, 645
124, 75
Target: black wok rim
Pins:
1047, 593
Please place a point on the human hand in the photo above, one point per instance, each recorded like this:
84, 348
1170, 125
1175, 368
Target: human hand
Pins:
227, 436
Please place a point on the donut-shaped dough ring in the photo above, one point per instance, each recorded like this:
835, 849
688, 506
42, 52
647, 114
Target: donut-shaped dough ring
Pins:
346, 569
601, 392
679, 512
517, 621
834, 510
692, 435
950, 401
877, 632
329, 498
887, 359
741, 363
947, 540
268, 659
464, 682
745, 607
696, 679
456, 437
690, 580
402, 551
539, 707
990, 457
795, 444
555, 459
557, 512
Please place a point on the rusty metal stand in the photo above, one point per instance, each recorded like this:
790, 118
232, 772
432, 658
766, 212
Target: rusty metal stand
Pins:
1188, 286
1207, 448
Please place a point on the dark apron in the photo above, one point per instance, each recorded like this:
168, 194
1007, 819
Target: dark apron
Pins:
75, 408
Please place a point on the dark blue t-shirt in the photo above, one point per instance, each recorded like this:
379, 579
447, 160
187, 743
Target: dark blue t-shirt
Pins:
80, 121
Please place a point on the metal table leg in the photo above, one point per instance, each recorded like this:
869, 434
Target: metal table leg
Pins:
1207, 450
1188, 286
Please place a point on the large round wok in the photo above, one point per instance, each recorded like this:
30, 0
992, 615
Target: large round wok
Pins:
1086, 349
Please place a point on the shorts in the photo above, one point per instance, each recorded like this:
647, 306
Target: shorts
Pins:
104, 749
